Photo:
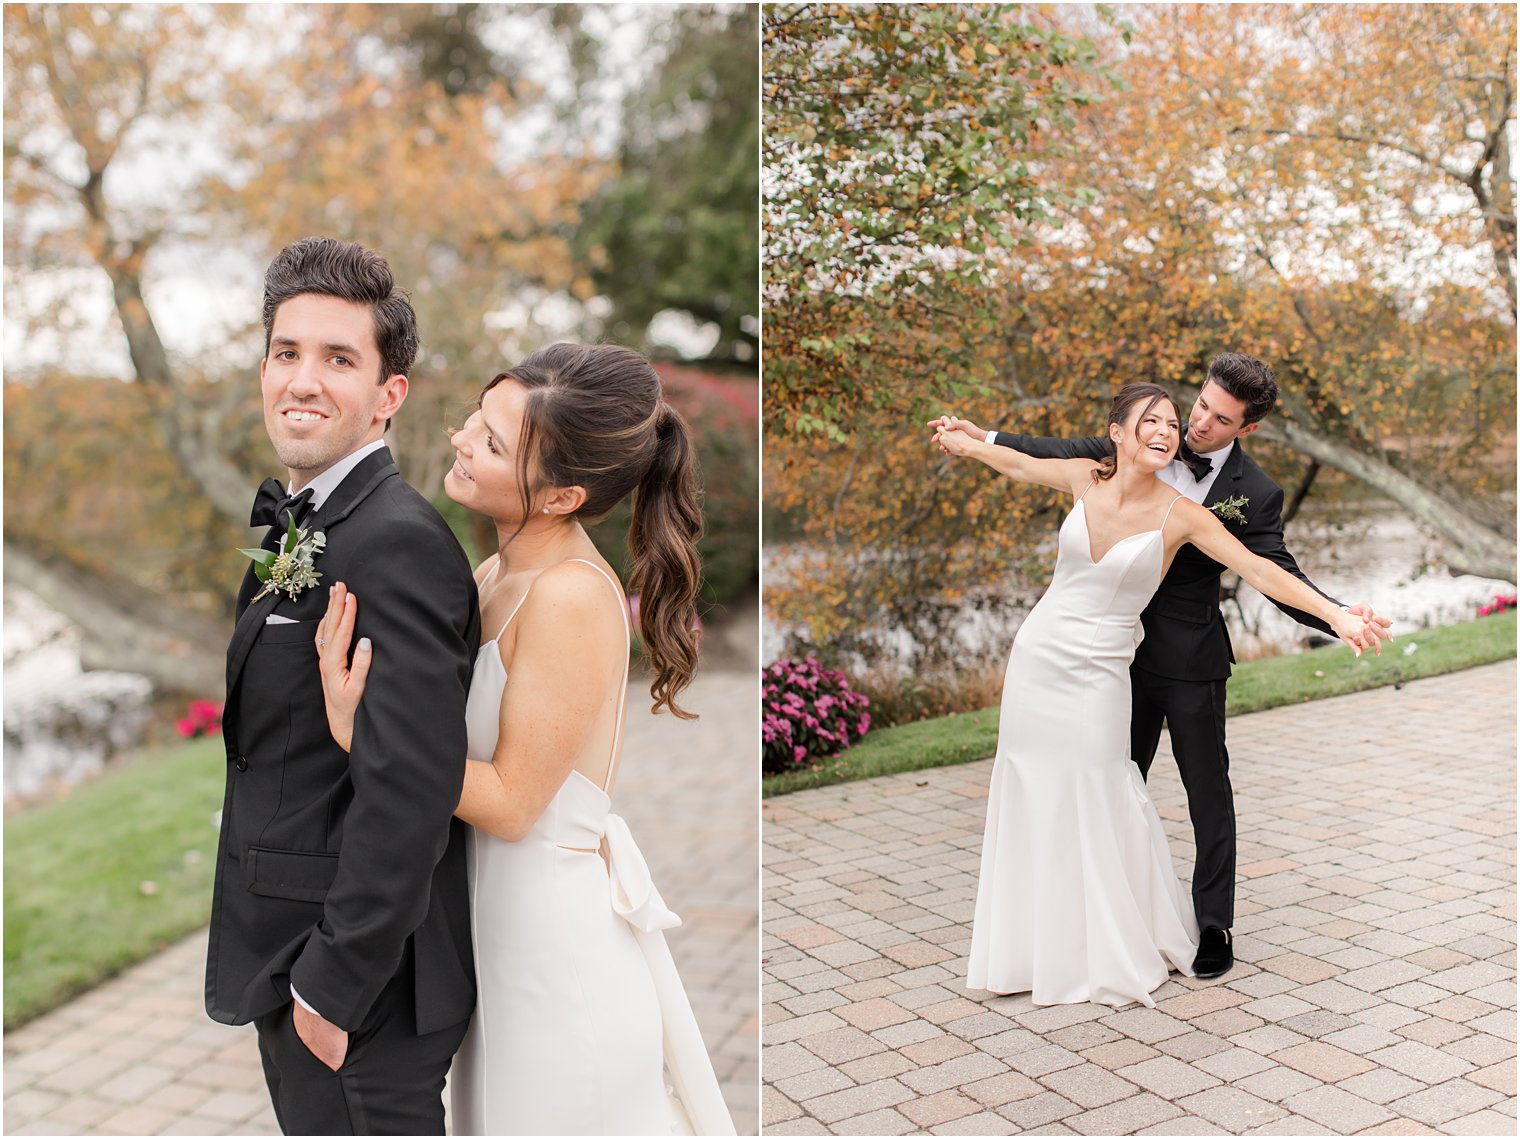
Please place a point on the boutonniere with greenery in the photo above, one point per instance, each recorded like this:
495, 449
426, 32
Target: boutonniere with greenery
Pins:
1229, 509
288, 570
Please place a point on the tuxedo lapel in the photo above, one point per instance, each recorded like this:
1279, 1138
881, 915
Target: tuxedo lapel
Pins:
1228, 481
353, 490
359, 485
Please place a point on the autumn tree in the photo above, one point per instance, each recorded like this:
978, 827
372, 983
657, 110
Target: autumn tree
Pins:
1348, 224
905, 153
1364, 276
111, 533
903, 146
90, 88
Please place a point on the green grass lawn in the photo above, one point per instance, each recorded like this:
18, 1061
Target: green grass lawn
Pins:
76, 910
1255, 686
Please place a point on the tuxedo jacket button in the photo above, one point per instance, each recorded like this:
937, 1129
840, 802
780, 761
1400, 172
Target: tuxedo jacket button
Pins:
240, 762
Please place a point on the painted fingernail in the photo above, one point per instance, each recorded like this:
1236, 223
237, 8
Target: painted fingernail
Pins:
364, 644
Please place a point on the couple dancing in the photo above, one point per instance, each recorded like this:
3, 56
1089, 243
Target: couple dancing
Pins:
408, 832
1077, 899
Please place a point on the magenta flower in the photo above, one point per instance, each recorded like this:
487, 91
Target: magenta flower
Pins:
202, 718
1500, 603
810, 714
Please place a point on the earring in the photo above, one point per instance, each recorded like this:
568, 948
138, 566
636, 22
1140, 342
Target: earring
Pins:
546, 510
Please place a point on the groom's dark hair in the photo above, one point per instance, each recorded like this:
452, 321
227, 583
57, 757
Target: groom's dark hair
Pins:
327, 267
1248, 380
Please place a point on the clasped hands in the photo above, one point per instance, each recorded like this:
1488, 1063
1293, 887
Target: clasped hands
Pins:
951, 434
1370, 633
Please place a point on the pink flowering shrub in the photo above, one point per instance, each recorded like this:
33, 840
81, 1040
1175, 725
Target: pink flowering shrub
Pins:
202, 718
809, 714
1499, 604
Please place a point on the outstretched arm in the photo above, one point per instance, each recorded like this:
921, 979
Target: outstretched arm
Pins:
1264, 538
1041, 447
1070, 475
1203, 529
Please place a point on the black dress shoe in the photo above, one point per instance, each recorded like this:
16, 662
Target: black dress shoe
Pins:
1215, 957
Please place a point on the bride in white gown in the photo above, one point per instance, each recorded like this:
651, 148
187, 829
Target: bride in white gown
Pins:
1077, 899
581, 1024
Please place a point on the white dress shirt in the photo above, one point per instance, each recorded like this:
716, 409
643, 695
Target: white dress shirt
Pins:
324, 484
1179, 475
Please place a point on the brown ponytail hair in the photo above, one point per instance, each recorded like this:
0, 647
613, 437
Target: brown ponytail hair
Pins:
595, 418
1119, 411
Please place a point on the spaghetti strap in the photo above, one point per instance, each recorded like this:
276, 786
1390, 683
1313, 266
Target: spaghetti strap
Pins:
512, 614
1168, 513
617, 724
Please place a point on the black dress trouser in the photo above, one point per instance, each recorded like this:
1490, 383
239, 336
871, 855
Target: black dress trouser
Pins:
1194, 715
390, 1082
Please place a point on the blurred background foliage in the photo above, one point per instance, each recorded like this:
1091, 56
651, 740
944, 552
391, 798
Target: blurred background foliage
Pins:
531, 172
1007, 211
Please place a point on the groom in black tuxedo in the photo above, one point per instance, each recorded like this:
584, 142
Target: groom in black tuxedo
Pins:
340, 920
1181, 667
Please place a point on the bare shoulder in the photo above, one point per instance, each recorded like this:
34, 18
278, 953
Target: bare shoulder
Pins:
1079, 475
575, 591
1191, 514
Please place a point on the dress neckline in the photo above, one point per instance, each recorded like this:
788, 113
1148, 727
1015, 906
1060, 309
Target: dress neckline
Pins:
1138, 534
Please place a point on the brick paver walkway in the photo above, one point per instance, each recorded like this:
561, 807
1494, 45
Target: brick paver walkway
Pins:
138, 1056
1375, 930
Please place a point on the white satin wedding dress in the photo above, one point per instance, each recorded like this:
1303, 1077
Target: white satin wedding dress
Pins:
581, 1024
1077, 899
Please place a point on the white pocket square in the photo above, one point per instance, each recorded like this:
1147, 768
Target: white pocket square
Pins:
276, 619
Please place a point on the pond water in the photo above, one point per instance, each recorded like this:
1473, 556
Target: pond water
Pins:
1378, 555
61, 723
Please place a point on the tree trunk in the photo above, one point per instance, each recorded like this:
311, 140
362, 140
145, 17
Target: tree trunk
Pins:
1300, 492
1499, 211
224, 485
1476, 547
126, 628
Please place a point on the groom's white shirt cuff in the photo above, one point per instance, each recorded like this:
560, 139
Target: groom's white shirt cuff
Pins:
991, 437
320, 487
297, 998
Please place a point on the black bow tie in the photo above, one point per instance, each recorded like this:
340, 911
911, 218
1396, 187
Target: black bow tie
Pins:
271, 504
1198, 464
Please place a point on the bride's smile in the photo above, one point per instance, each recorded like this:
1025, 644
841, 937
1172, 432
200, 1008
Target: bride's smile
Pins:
1153, 444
